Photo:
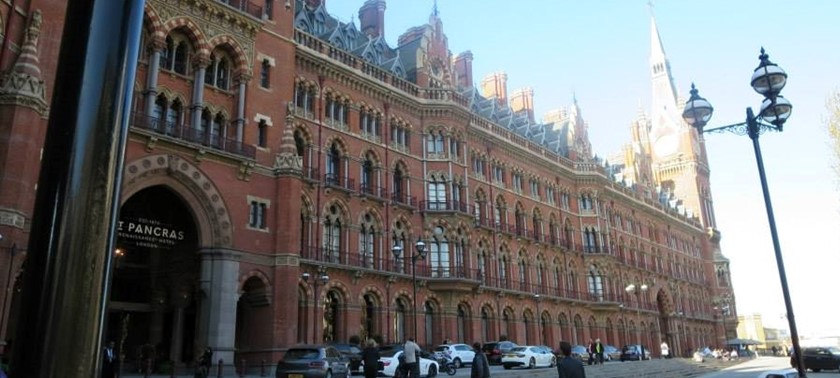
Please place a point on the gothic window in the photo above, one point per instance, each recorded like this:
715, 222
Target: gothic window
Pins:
437, 193
269, 9
333, 176
332, 235
398, 185
536, 224
258, 211
218, 71
368, 176
368, 317
596, 285
216, 130
367, 238
503, 276
485, 324
399, 135
173, 117
434, 143
523, 273
399, 239
439, 253
429, 320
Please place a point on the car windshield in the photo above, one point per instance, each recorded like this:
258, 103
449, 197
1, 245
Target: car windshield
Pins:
442, 348
518, 349
302, 354
833, 350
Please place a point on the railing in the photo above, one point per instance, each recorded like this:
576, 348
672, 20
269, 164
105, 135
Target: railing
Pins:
193, 135
445, 206
245, 6
404, 199
372, 190
341, 182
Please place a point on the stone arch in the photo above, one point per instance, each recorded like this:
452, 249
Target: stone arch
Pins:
257, 274
193, 31
227, 42
192, 185
156, 27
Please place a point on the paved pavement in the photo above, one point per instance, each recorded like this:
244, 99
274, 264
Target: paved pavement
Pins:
676, 367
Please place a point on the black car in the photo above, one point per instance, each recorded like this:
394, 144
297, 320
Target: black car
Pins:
353, 354
495, 350
312, 361
819, 358
634, 352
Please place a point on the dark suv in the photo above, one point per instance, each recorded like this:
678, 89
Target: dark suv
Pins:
818, 358
353, 354
495, 350
634, 352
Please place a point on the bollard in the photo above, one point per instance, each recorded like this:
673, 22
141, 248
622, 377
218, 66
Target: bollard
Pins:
262, 369
220, 369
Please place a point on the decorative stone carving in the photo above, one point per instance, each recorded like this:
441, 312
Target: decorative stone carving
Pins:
23, 85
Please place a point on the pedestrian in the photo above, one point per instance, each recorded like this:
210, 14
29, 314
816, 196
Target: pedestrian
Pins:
370, 357
773, 349
109, 361
204, 363
412, 351
599, 352
665, 351
569, 367
480, 366
590, 350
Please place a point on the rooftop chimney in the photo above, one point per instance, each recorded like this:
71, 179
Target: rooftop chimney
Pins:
523, 100
372, 18
463, 69
495, 86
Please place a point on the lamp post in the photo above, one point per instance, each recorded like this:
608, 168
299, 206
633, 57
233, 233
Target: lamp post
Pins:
539, 320
687, 347
724, 311
420, 249
768, 79
631, 289
324, 279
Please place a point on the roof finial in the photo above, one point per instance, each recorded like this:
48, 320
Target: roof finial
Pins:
650, 7
435, 10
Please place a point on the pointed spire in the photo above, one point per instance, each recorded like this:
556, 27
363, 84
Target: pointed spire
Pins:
435, 11
23, 82
657, 51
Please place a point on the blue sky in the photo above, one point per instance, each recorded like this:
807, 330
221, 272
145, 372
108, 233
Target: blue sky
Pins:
598, 51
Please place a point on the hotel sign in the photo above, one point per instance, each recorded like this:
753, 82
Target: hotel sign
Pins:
150, 233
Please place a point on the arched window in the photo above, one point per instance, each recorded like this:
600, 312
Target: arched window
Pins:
332, 235
400, 321
398, 184
523, 274
367, 236
265, 73
429, 315
181, 58
461, 324
367, 184
173, 117
596, 285
332, 314
333, 166
485, 324
437, 194
398, 239
216, 130
503, 277
368, 318
439, 253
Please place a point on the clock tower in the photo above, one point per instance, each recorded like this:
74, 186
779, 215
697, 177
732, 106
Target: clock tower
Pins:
679, 163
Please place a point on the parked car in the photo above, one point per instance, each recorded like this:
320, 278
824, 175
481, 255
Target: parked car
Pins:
529, 356
819, 358
633, 352
494, 350
579, 352
390, 359
611, 353
353, 354
550, 351
460, 354
312, 361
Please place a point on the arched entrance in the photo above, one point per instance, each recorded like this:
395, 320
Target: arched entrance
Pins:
153, 314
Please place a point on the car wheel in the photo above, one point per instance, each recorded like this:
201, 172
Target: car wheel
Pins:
458, 363
553, 362
532, 364
432, 371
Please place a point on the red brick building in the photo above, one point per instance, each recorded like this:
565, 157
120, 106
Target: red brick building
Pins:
277, 156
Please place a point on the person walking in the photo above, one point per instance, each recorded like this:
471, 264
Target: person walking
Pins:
569, 367
480, 366
599, 352
590, 350
204, 363
109, 361
412, 351
665, 352
370, 357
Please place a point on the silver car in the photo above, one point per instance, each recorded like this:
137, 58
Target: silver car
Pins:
313, 361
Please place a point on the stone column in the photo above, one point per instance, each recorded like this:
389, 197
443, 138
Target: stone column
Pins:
198, 92
180, 300
219, 285
240, 106
152, 77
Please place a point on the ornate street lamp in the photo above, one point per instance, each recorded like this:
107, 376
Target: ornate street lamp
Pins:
420, 249
323, 279
768, 79
631, 289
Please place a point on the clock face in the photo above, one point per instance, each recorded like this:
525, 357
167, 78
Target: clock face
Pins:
666, 144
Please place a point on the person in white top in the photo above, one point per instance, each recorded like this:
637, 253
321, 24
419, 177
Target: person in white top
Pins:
665, 351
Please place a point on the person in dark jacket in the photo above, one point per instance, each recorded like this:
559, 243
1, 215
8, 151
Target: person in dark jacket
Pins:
569, 367
370, 358
480, 366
